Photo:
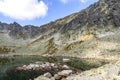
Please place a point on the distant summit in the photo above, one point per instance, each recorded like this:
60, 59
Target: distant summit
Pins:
17, 31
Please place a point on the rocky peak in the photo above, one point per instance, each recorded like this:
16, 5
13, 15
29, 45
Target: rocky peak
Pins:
16, 26
15, 23
99, 14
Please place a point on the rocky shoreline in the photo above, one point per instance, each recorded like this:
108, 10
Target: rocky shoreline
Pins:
109, 71
60, 71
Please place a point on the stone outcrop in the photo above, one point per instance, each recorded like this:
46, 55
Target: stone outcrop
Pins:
106, 72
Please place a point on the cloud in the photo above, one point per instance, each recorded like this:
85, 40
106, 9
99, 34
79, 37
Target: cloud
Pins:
23, 9
66, 1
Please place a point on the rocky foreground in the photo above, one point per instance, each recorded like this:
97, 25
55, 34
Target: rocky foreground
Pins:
58, 71
109, 71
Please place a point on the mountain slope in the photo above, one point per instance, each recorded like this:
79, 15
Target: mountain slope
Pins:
93, 31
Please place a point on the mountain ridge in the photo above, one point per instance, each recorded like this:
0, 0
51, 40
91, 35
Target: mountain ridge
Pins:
82, 33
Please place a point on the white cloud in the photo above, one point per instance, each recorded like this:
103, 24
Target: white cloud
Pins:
23, 9
66, 1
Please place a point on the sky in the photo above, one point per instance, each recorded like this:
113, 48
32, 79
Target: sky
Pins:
39, 12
